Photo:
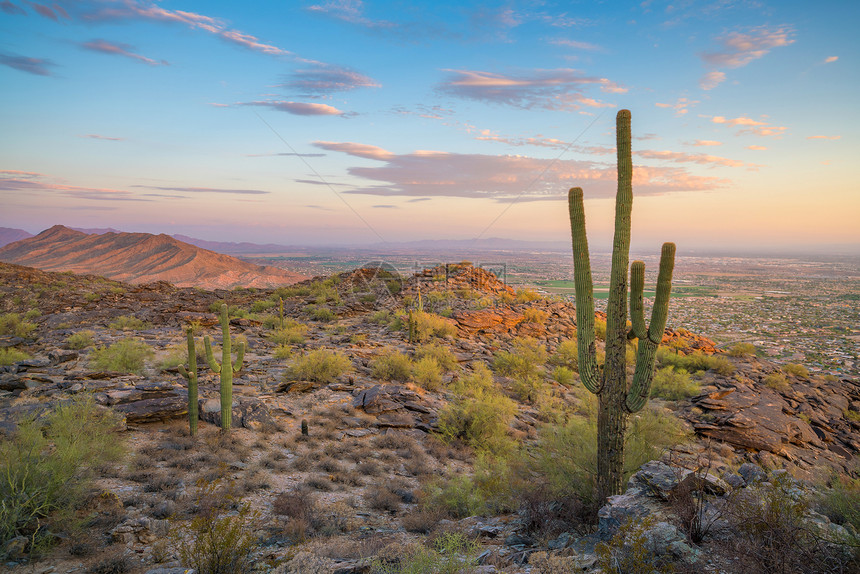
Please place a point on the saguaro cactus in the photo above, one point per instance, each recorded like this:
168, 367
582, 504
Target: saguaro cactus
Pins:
191, 376
227, 368
616, 400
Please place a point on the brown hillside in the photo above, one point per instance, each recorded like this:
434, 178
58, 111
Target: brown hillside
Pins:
138, 258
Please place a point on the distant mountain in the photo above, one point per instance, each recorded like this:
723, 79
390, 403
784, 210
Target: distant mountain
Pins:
9, 235
488, 244
140, 258
237, 248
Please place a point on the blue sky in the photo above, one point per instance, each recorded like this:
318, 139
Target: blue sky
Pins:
349, 121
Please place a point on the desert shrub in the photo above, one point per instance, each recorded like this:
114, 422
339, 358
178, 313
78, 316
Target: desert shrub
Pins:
218, 539
392, 366
840, 502
32, 314
427, 373
11, 355
263, 305
566, 355
12, 324
673, 385
292, 332
796, 370
599, 329
430, 325
631, 552
563, 376
321, 366
772, 532
742, 350
566, 455
695, 362
381, 317
442, 354
283, 351
526, 296
124, 356
532, 315
480, 416
320, 313
450, 553
530, 389
46, 466
128, 323
524, 362
81, 340
777, 381
457, 496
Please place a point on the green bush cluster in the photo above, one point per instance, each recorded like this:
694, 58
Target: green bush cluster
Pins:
321, 366
128, 323
429, 325
777, 381
46, 466
451, 553
81, 340
796, 370
124, 356
525, 361
13, 324
742, 350
442, 354
11, 355
292, 332
532, 315
673, 384
566, 355
695, 362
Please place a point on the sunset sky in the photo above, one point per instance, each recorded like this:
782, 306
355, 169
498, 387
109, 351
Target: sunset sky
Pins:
333, 121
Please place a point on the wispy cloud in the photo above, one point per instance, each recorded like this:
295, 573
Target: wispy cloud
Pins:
737, 49
750, 126
756, 147
297, 108
356, 149
100, 137
705, 143
37, 66
560, 89
711, 80
823, 137
351, 11
10, 8
682, 157
323, 79
501, 178
286, 154
206, 190
831, 59
33, 183
681, 106
578, 45
119, 49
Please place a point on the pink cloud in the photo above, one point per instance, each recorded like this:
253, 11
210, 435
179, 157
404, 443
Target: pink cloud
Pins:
739, 49
823, 137
36, 66
30, 182
751, 126
560, 89
679, 106
706, 143
831, 59
119, 49
756, 147
681, 157
500, 178
323, 79
576, 44
99, 137
297, 108
711, 80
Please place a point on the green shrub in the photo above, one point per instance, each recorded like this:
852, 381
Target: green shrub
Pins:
392, 366
427, 373
430, 325
673, 385
320, 313
81, 340
12, 324
452, 553
218, 540
263, 305
321, 366
841, 501
777, 382
481, 416
124, 356
526, 296
530, 389
600, 329
742, 350
442, 354
796, 370
128, 323
563, 376
524, 362
532, 315
47, 466
32, 314
382, 317
631, 552
283, 351
566, 355
11, 355
695, 362
292, 332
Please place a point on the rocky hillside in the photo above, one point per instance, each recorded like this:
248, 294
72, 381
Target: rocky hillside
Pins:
366, 487
139, 258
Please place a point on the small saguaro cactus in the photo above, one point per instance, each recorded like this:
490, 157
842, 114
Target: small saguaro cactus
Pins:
304, 427
191, 376
615, 399
227, 368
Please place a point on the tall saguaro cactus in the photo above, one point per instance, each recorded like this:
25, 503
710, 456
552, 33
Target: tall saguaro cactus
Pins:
191, 376
616, 399
227, 368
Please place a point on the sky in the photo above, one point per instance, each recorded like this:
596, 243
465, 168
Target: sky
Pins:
350, 122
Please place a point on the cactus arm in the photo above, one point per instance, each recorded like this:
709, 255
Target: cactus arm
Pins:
637, 307
646, 355
587, 348
191, 376
210, 358
240, 356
